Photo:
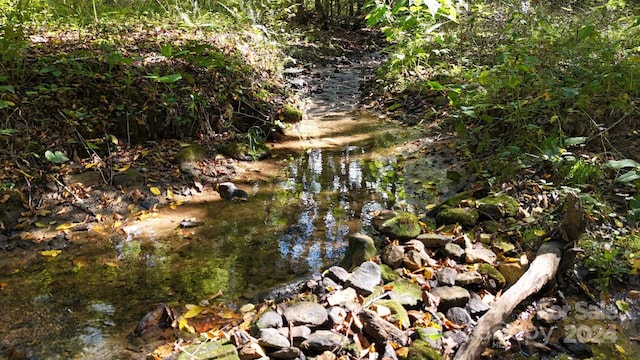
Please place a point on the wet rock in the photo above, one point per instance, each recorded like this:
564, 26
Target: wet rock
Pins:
511, 272
476, 255
476, 307
578, 349
469, 278
229, 191
365, 278
148, 202
491, 272
159, 318
269, 319
288, 353
459, 316
306, 313
446, 276
452, 250
432, 240
420, 350
398, 314
497, 207
323, 340
392, 255
361, 248
337, 274
402, 226
272, 338
466, 217
381, 330
451, 296
213, 350
405, 292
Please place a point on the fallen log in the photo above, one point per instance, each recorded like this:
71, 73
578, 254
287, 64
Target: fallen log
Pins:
543, 268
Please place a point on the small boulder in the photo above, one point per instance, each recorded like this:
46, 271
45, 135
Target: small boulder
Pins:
306, 313
402, 226
451, 296
361, 248
365, 278
498, 207
466, 217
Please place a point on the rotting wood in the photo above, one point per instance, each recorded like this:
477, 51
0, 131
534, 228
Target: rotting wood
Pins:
543, 268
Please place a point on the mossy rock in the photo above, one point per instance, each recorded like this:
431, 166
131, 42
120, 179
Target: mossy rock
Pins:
291, 114
399, 314
190, 153
466, 217
498, 207
243, 151
361, 248
492, 272
420, 350
388, 274
402, 226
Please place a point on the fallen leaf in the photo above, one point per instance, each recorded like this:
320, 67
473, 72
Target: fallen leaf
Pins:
51, 253
155, 190
124, 168
193, 310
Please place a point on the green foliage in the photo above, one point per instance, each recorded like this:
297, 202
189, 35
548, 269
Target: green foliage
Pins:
607, 262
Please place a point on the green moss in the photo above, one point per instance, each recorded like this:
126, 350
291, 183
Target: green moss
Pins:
243, 151
399, 314
403, 226
497, 207
490, 271
420, 350
463, 216
291, 114
388, 274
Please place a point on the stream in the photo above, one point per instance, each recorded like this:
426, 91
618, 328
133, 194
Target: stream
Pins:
334, 168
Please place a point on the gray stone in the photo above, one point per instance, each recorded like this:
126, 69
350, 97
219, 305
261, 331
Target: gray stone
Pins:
392, 255
414, 260
447, 276
215, 350
457, 336
337, 315
323, 340
476, 307
272, 338
365, 278
433, 241
459, 316
337, 274
451, 296
361, 248
414, 244
430, 335
452, 250
296, 332
269, 319
306, 313
480, 255
406, 292
345, 298
469, 278
389, 353
288, 353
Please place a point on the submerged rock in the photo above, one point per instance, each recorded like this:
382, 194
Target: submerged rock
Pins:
229, 191
361, 248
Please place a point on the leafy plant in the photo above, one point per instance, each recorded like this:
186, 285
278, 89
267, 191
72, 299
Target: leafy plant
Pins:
607, 265
56, 157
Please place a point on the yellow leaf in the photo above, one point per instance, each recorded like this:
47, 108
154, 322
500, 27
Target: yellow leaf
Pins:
538, 232
430, 206
169, 194
52, 253
154, 190
620, 349
111, 264
43, 212
89, 165
117, 224
41, 224
193, 310
65, 226
124, 168
183, 325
